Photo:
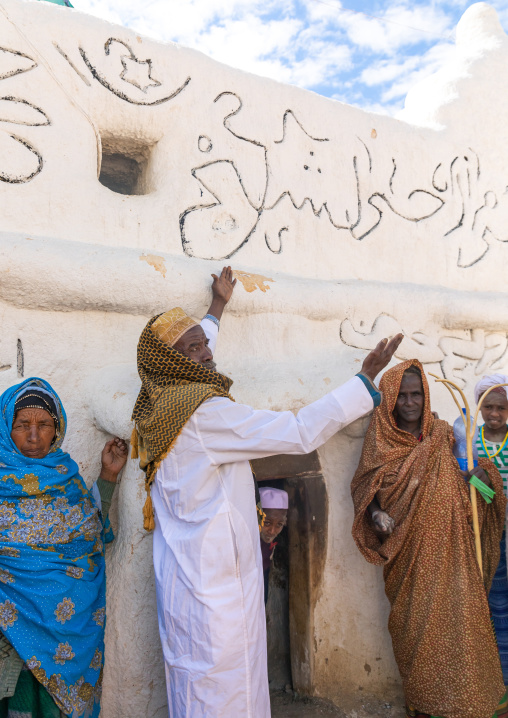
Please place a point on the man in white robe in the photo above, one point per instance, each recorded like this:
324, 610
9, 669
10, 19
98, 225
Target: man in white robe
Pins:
207, 559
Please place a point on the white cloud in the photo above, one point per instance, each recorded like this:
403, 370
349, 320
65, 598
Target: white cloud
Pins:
388, 71
322, 11
169, 19
412, 73
248, 41
315, 71
399, 27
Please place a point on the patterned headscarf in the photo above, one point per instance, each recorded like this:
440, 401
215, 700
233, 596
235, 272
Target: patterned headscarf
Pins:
52, 570
31, 398
172, 388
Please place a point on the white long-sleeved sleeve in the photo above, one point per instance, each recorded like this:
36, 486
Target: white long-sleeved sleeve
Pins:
212, 332
229, 432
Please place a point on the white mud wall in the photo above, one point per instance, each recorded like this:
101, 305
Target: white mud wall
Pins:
130, 170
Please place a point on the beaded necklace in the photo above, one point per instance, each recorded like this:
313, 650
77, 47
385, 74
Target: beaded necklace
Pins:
491, 456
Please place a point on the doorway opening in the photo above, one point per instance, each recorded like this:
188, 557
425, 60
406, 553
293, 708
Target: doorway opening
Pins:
298, 567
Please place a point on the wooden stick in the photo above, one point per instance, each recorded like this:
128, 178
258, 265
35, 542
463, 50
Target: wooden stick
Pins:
446, 383
470, 432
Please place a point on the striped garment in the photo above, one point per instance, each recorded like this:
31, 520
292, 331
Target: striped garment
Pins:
498, 597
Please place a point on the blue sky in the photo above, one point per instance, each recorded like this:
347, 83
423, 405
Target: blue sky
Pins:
365, 53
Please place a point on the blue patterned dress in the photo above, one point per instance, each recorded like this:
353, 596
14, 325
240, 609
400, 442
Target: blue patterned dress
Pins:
52, 569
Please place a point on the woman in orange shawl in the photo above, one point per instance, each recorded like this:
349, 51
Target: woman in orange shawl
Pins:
440, 625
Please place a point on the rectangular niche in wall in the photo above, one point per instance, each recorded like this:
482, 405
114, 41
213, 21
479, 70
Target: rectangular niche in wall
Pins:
124, 165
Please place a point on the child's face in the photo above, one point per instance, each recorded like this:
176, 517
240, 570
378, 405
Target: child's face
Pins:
274, 523
495, 410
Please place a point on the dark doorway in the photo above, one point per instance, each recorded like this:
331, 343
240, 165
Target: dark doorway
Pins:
298, 568
277, 608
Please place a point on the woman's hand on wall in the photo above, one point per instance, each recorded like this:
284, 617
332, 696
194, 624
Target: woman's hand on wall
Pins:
113, 458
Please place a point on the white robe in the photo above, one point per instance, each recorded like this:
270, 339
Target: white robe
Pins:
206, 548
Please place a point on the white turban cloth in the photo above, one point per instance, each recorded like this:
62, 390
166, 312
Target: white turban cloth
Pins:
488, 381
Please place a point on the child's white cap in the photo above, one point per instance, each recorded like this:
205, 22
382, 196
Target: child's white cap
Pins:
273, 498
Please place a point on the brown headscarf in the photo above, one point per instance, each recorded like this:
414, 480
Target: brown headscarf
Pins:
440, 625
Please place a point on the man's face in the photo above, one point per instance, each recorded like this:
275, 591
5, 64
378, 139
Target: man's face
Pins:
194, 345
275, 521
495, 410
410, 400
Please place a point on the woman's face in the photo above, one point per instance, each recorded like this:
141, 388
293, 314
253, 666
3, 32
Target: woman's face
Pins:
409, 405
495, 410
33, 431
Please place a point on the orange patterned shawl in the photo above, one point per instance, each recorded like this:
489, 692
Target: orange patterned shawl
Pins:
439, 622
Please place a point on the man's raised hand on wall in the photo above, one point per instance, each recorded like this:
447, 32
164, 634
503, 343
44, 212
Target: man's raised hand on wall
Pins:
222, 289
381, 356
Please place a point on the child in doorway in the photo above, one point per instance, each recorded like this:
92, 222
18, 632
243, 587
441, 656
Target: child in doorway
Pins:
275, 506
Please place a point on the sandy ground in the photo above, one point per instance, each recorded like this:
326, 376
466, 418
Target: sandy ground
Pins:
289, 705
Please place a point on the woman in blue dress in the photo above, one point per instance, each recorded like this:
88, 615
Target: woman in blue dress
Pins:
52, 570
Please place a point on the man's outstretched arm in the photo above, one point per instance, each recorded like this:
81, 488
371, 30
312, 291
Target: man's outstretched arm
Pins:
230, 432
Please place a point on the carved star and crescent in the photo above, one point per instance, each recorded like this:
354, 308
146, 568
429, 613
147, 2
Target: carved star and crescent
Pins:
138, 72
135, 72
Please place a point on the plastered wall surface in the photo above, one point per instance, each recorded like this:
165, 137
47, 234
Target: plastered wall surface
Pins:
131, 170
